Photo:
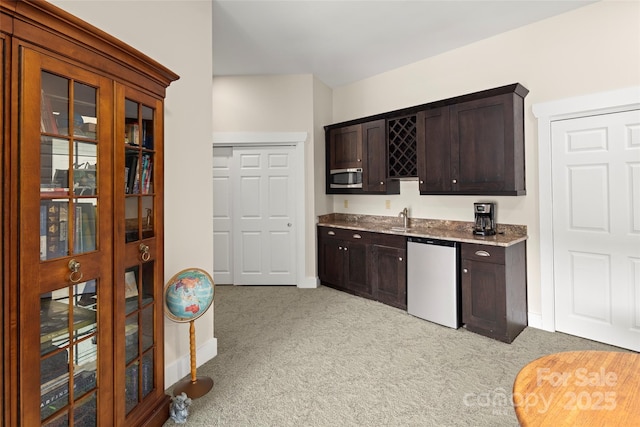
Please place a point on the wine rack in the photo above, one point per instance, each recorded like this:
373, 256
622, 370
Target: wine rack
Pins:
402, 147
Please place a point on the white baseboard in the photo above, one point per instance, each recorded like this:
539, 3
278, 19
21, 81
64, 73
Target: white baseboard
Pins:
179, 369
535, 320
309, 282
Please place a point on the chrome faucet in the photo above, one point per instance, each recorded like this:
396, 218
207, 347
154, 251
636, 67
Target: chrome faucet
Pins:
405, 217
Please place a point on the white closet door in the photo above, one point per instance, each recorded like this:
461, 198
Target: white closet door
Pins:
222, 216
596, 223
264, 212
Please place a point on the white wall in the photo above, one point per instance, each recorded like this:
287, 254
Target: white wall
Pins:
592, 49
263, 103
178, 34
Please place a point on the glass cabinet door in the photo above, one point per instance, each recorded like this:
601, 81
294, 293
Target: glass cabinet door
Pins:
65, 270
138, 250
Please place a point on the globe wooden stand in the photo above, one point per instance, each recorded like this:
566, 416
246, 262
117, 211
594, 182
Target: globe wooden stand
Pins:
193, 387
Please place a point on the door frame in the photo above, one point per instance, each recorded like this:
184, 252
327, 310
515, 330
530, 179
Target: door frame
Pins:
279, 139
614, 101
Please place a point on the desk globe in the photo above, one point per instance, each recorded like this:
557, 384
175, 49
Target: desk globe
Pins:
187, 296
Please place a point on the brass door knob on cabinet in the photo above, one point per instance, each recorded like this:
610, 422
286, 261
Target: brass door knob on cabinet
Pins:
144, 252
76, 275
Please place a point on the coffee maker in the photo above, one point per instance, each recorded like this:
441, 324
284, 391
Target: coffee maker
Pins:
485, 215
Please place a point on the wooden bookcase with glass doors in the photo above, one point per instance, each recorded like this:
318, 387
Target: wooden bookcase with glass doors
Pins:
85, 150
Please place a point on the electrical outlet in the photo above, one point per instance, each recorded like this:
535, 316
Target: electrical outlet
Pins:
387, 204
346, 203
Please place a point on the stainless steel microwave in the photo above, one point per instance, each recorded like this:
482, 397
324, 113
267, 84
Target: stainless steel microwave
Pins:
345, 178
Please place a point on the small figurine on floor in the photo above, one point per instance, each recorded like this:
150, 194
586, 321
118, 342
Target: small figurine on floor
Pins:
179, 408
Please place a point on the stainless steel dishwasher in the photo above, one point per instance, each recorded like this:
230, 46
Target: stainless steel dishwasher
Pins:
433, 291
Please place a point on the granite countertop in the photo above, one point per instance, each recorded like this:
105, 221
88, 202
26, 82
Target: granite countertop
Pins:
458, 231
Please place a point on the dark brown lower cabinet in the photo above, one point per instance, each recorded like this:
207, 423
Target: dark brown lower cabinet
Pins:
342, 260
370, 265
494, 290
330, 258
388, 270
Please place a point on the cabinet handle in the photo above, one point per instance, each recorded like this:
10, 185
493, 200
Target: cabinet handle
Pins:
400, 259
357, 236
345, 248
331, 233
339, 248
421, 182
381, 182
74, 268
483, 253
455, 181
144, 252
464, 270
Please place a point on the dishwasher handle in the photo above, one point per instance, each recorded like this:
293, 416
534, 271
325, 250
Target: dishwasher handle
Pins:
428, 241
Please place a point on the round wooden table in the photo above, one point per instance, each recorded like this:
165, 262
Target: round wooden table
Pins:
579, 388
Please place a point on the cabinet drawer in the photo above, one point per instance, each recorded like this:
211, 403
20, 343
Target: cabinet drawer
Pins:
483, 253
344, 234
390, 240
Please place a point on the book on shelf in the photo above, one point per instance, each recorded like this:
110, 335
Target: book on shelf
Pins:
136, 183
48, 122
147, 134
55, 394
132, 133
89, 130
147, 165
43, 231
132, 378
147, 376
53, 366
131, 170
53, 190
85, 228
56, 228
131, 385
77, 238
88, 227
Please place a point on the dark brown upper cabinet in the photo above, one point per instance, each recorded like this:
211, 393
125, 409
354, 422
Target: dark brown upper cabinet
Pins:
471, 144
474, 147
374, 178
345, 146
362, 145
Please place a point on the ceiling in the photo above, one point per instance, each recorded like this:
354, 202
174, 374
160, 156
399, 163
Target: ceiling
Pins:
341, 42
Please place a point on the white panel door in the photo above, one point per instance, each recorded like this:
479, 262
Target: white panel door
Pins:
264, 211
222, 216
596, 223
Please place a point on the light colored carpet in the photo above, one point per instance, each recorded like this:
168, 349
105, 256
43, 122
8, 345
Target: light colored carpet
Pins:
320, 358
